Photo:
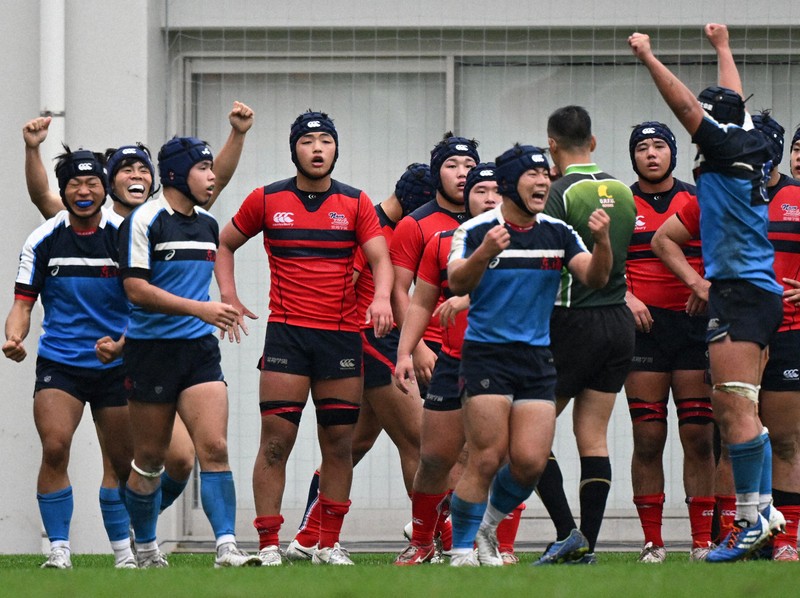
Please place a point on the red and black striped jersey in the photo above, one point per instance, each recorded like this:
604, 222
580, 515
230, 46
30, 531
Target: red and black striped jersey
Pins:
784, 234
433, 270
409, 240
365, 284
647, 276
310, 241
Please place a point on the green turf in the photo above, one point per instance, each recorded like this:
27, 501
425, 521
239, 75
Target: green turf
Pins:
617, 576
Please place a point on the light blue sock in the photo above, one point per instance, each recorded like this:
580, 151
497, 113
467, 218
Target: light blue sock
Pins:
115, 515
507, 493
747, 459
143, 510
466, 518
218, 495
765, 488
171, 489
56, 511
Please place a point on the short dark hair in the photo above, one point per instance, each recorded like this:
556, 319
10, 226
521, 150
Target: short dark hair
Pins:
571, 127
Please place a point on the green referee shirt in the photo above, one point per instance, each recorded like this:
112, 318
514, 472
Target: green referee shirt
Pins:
573, 197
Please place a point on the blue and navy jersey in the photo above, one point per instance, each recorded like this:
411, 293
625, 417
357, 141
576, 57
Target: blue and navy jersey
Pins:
77, 277
732, 171
516, 295
175, 253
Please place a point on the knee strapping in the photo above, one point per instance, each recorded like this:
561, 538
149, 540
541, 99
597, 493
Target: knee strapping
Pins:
288, 410
152, 475
336, 412
742, 389
644, 411
694, 411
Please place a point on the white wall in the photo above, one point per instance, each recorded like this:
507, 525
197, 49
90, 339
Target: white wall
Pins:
116, 92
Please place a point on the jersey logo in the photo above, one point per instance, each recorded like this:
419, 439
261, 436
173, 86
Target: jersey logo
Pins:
313, 124
285, 218
170, 255
460, 147
791, 374
85, 166
493, 263
640, 223
54, 271
347, 364
338, 221
606, 199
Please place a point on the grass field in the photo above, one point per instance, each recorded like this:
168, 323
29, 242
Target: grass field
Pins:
615, 576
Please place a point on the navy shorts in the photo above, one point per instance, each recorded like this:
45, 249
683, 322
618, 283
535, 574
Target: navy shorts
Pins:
743, 311
782, 373
676, 341
159, 370
514, 370
380, 355
592, 347
98, 387
444, 392
317, 354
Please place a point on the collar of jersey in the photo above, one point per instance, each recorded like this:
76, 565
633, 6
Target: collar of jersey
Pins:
582, 168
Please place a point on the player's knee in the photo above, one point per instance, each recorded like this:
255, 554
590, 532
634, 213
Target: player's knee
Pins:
785, 448
435, 464
486, 462
179, 464
55, 452
213, 451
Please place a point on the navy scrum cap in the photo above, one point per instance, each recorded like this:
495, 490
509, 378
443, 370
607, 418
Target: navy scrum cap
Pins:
724, 105
176, 158
447, 148
773, 131
485, 171
79, 163
414, 187
512, 164
125, 156
796, 136
311, 122
653, 129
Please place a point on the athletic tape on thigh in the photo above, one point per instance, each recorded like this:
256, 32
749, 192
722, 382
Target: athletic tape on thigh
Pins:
644, 411
694, 411
288, 410
742, 389
146, 474
336, 412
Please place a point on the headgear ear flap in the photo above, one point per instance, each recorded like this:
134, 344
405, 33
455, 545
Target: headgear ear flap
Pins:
312, 122
773, 130
414, 187
724, 105
177, 157
510, 167
653, 130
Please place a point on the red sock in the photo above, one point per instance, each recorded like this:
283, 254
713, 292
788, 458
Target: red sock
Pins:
308, 534
268, 528
726, 508
331, 519
507, 530
701, 516
650, 508
792, 515
424, 516
444, 527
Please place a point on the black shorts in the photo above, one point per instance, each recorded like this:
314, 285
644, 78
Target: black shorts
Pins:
99, 388
317, 354
159, 370
676, 341
444, 392
380, 355
514, 370
592, 347
743, 311
782, 373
